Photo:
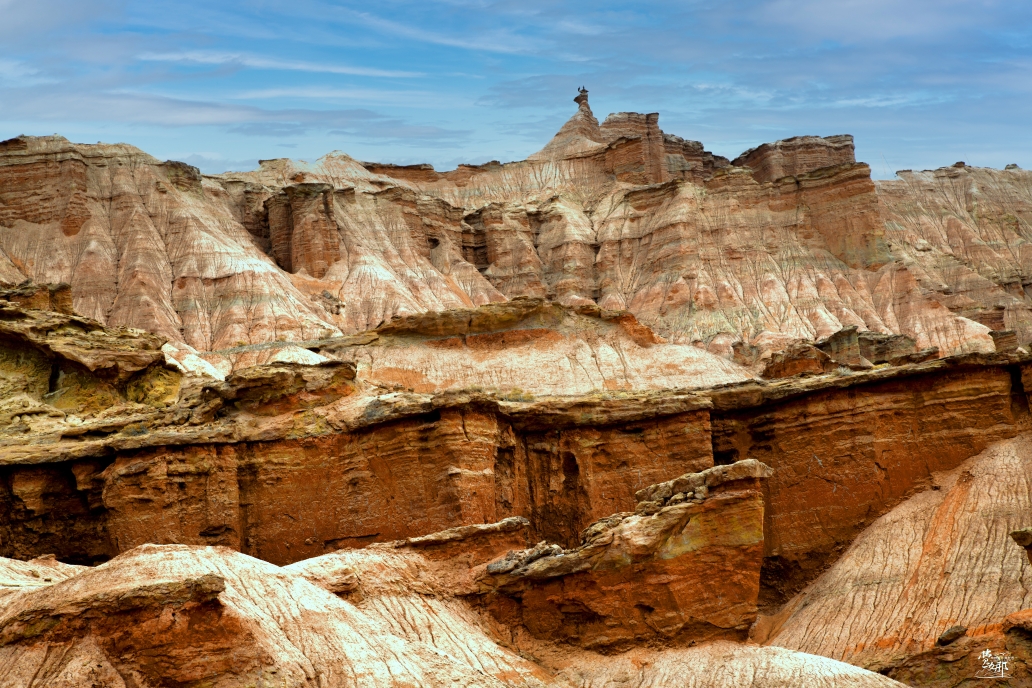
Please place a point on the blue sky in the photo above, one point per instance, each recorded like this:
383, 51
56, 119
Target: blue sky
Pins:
919, 83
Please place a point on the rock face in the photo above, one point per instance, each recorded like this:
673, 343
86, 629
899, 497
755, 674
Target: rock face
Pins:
961, 233
173, 458
941, 561
828, 447
623, 413
143, 244
388, 616
520, 348
686, 566
315, 456
796, 156
791, 241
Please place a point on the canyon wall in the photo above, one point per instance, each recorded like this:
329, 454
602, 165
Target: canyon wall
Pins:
930, 585
623, 412
285, 461
790, 241
664, 518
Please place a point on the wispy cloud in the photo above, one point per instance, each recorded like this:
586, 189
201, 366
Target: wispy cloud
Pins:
203, 57
17, 73
505, 42
322, 93
132, 108
893, 100
919, 83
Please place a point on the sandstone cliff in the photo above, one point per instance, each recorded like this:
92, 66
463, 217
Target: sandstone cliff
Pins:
793, 240
108, 443
624, 413
931, 584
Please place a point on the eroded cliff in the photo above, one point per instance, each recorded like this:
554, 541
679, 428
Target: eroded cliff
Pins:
792, 240
624, 413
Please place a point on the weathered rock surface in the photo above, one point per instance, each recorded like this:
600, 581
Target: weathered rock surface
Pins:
521, 348
174, 457
311, 420
178, 615
685, 568
383, 616
942, 559
44, 297
792, 241
720, 664
962, 233
289, 460
852, 446
144, 244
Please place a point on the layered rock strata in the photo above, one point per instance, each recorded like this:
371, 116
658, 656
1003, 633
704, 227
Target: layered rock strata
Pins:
286, 461
793, 240
388, 615
685, 567
931, 585
522, 347
359, 393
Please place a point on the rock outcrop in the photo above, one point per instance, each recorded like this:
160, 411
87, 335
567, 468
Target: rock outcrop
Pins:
143, 244
520, 348
176, 457
933, 583
385, 616
289, 460
623, 413
796, 156
792, 241
685, 567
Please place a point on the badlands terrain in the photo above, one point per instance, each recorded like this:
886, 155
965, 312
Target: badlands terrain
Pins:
624, 414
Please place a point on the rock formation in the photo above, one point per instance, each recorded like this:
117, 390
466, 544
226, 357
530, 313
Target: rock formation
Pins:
388, 616
932, 583
791, 241
623, 413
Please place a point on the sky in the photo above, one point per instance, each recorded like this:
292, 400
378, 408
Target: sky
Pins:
920, 83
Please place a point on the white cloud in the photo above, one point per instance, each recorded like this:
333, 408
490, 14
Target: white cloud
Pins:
496, 42
255, 62
15, 73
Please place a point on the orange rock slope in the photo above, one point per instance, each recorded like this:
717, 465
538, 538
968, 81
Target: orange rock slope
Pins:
932, 584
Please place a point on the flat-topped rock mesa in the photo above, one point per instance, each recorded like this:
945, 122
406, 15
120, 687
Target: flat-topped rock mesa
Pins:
792, 241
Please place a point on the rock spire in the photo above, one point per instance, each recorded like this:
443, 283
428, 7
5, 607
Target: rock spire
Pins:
579, 136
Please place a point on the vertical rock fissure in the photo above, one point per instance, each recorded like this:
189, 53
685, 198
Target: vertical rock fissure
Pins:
1018, 396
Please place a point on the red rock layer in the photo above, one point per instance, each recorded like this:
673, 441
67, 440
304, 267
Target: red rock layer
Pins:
942, 560
291, 499
684, 568
286, 461
796, 156
842, 457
